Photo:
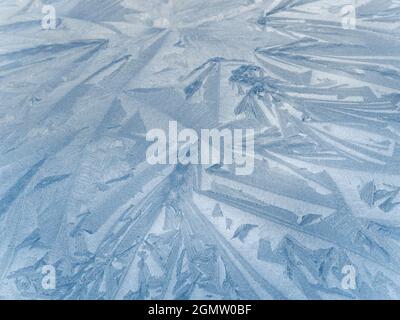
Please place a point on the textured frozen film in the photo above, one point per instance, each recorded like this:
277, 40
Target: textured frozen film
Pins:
83, 215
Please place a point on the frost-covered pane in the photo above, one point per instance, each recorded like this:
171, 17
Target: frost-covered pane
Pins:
84, 215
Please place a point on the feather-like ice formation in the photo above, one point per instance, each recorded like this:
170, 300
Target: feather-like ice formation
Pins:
76, 191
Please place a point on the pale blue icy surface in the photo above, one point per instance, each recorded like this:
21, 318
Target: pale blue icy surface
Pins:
76, 191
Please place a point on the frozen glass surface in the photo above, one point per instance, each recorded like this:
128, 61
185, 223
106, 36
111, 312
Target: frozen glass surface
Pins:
84, 215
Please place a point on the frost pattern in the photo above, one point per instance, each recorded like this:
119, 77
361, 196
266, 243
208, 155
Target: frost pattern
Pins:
77, 193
